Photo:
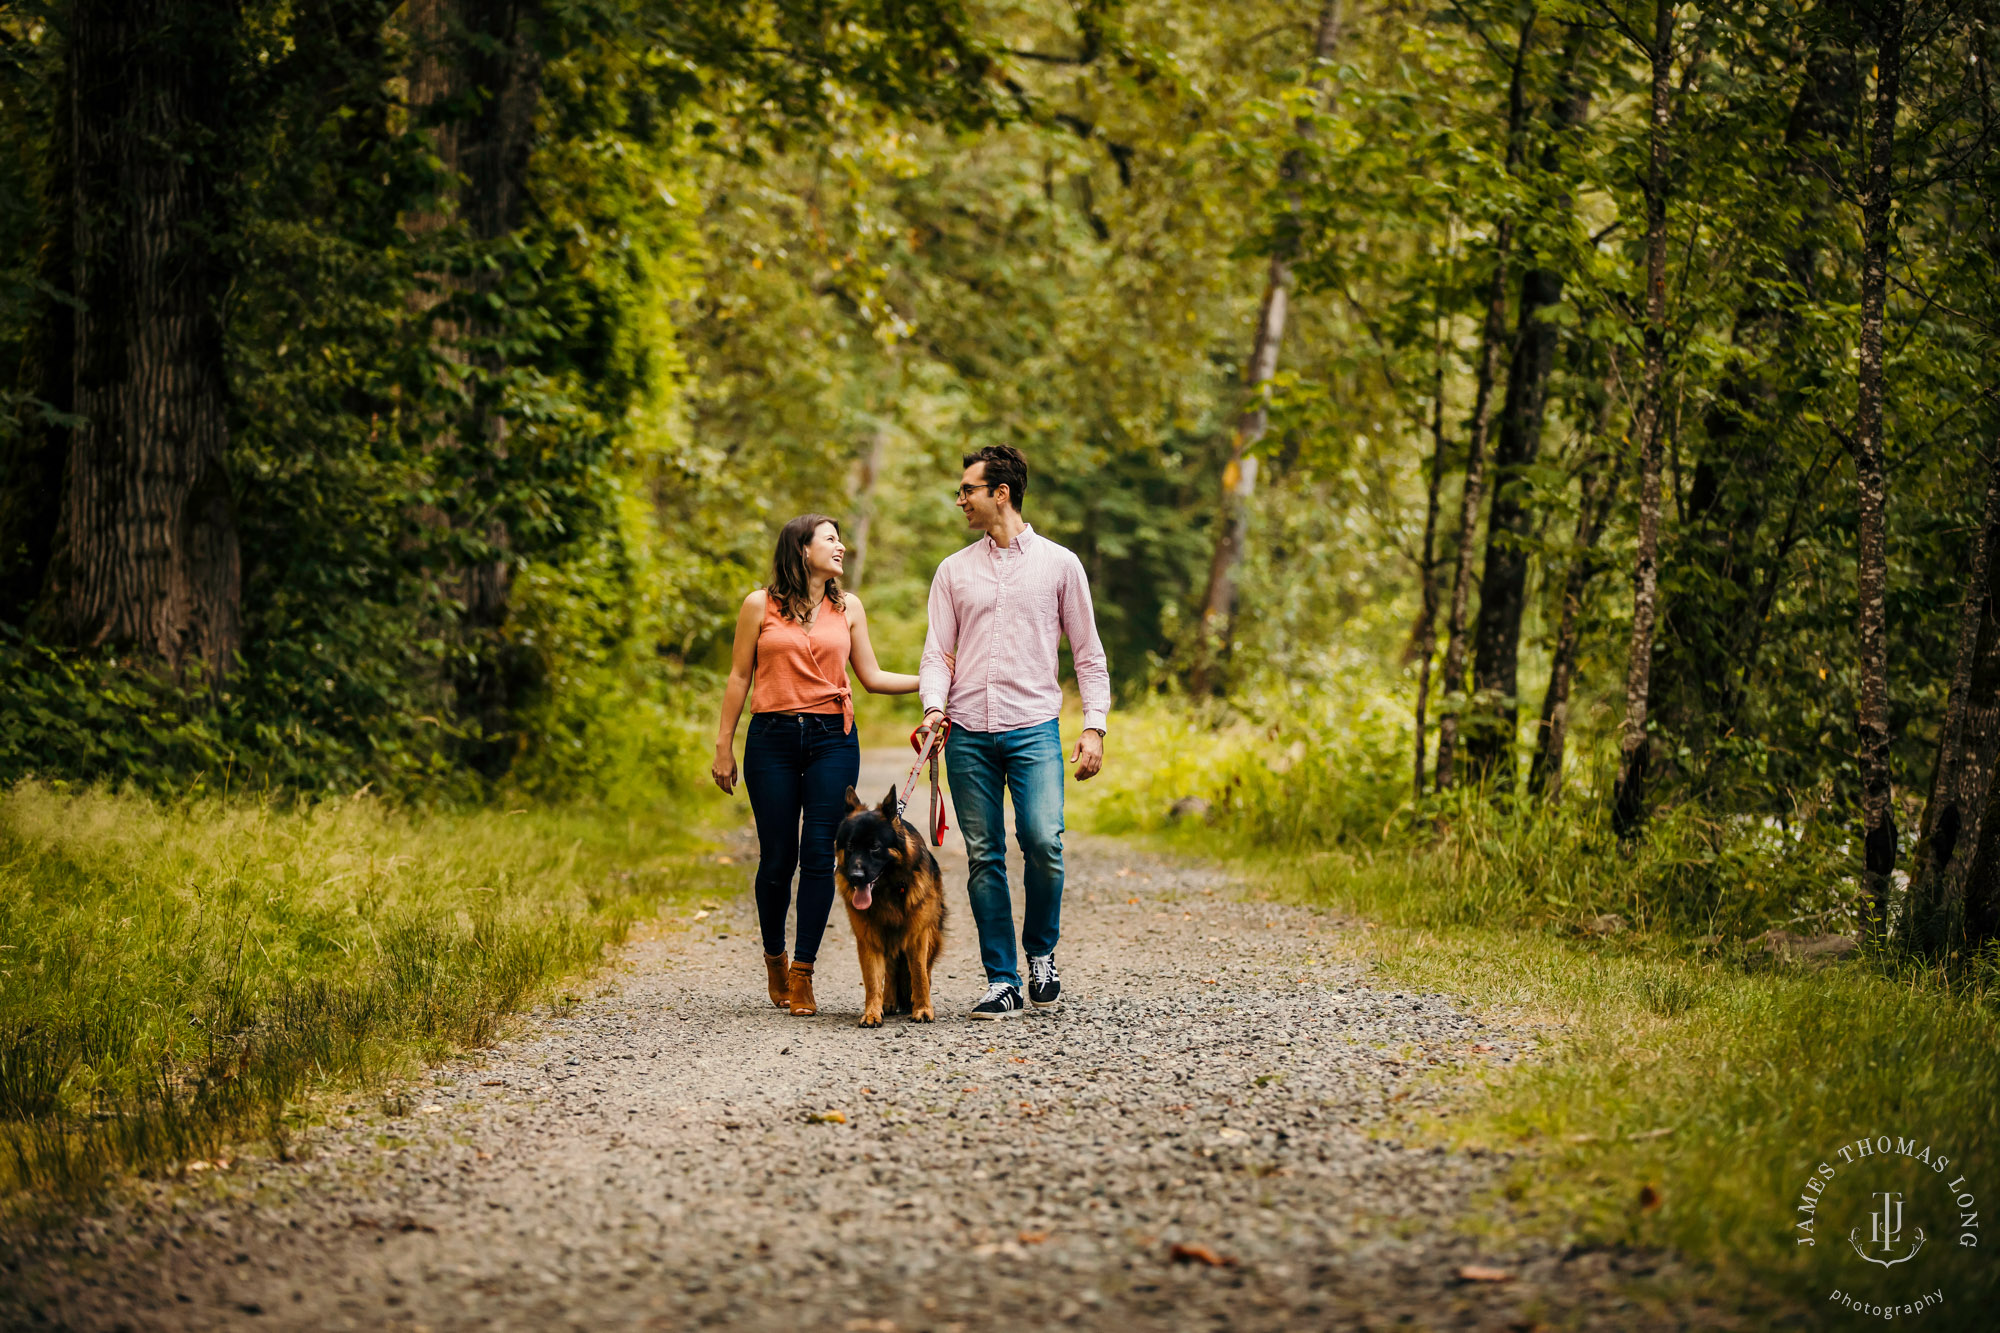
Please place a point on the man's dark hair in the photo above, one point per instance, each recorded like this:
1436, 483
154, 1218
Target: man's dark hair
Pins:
1005, 466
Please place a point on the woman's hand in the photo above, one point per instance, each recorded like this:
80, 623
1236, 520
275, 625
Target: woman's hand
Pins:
723, 770
742, 668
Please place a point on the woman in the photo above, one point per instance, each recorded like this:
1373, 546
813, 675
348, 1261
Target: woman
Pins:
796, 638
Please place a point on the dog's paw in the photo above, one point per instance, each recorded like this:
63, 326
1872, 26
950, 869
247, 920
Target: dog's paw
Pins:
871, 1019
923, 1015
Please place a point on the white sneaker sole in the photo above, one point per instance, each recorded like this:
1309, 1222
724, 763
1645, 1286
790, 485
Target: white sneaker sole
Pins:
994, 1018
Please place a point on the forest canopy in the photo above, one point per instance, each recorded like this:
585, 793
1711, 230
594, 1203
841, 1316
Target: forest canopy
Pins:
407, 393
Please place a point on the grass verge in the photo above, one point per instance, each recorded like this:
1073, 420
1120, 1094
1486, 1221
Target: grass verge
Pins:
1691, 1087
177, 976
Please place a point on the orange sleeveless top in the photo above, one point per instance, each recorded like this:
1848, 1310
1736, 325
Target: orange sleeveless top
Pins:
801, 670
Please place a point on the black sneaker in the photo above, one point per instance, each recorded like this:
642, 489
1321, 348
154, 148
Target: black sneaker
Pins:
1002, 1001
1044, 985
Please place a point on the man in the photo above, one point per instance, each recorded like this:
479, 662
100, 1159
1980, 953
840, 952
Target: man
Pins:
1000, 607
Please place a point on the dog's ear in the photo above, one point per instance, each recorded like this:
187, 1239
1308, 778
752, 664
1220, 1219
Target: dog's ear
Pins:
888, 806
854, 801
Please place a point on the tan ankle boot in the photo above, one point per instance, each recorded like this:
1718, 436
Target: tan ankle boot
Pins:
774, 974
802, 1002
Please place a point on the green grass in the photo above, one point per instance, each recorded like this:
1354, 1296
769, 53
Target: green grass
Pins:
1688, 1086
174, 977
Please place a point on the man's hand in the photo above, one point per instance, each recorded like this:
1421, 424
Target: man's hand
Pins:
1089, 756
933, 719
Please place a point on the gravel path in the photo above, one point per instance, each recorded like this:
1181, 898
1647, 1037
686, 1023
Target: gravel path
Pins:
675, 1153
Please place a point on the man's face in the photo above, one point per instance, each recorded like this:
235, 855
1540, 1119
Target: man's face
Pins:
980, 506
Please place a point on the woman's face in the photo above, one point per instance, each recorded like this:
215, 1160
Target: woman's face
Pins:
825, 552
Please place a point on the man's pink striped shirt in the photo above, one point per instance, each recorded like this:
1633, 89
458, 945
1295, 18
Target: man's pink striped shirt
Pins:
1001, 611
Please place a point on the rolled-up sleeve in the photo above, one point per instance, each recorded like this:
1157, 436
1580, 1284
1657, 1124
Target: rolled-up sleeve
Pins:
1079, 623
940, 640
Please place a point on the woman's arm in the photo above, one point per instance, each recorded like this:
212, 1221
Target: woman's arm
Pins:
742, 665
866, 670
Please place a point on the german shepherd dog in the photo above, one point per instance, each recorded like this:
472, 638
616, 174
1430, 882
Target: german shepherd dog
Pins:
895, 902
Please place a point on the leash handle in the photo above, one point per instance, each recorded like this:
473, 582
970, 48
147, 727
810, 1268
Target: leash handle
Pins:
938, 825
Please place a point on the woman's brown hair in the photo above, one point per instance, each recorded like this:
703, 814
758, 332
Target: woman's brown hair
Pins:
789, 586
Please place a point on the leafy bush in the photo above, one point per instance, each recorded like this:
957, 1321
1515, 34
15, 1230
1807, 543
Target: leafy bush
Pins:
1330, 791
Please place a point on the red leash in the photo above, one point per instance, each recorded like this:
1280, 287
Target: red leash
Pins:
927, 752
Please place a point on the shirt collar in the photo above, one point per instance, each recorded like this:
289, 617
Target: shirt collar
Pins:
1022, 542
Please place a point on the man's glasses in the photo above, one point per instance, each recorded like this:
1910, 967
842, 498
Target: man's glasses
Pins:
965, 492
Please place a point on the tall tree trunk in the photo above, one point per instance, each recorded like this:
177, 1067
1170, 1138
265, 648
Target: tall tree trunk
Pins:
1239, 481
1878, 822
1739, 474
1239, 477
1492, 333
144, 554
1628, 810
1545, 772
868, 472
475, 87
1956, 890
1492, 723
1423, 641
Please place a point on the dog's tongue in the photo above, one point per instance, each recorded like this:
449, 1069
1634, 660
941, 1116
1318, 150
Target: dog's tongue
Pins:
864, 894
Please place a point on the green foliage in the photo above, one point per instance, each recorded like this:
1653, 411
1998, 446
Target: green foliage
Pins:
422, 408
180, 974
1329, 789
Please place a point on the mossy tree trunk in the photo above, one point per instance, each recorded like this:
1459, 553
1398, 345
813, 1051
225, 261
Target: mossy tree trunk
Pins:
144, 554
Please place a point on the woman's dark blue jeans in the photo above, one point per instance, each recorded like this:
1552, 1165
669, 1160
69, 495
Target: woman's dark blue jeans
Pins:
797, 769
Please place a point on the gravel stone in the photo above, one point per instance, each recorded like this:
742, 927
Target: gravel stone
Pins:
675, 1153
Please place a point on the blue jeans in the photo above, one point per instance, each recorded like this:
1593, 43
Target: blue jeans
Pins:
1028, 764
797, 771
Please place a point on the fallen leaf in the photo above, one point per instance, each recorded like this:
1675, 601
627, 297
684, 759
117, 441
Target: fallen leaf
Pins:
1133, 901
1481, 1046
429, 1108
1033, 1237
485, 1156
827, 1118
1649, 1199
700, 915
1210, 981
725, 860
1182, 1253
1481, 1273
